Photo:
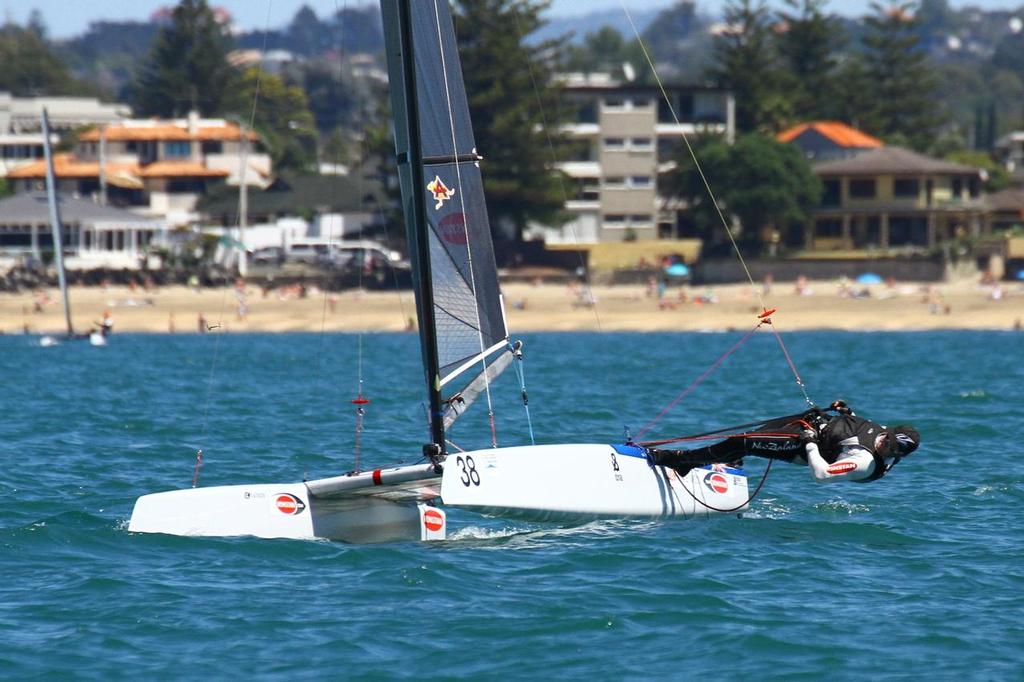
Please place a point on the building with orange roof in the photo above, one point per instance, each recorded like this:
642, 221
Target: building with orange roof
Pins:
823, 140
155, 167
892, 197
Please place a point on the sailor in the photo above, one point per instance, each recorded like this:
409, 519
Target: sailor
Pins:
836, 447
848, 447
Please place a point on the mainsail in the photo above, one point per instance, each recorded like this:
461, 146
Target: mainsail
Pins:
458, 300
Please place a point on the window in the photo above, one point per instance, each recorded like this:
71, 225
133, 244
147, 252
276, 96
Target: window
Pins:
213, 147
615, 219
614, 143
862, 189
640, 219
615, 181
641, 102
906, 187
177, 150
641, 143
615, 102
830, 195
641, 180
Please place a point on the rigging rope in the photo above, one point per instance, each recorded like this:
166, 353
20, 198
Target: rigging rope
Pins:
765, 315
465, 225
224, 291
753, 495
696, 382
587, 291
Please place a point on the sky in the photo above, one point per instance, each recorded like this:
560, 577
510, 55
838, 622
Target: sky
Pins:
66, 18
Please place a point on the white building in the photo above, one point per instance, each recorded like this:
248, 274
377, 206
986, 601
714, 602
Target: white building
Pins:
94, 236
158, 168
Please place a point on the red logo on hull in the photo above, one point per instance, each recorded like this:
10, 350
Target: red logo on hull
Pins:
432, 520
289, 504
717, 482
842, 468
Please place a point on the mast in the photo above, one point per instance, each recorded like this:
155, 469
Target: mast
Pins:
55, 225
402, 79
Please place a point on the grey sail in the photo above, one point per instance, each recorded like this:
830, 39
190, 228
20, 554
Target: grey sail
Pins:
464, 300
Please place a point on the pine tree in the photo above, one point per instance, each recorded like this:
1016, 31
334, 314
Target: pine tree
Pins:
899, 103
30, 67
809, 43
511, 127
746, 63
187, 68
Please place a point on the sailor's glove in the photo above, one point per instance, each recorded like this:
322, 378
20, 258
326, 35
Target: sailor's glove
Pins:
808, 436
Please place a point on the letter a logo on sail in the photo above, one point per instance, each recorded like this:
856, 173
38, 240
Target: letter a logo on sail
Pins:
440, 192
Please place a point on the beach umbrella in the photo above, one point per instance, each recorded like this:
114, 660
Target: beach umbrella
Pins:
869, 278
677, 270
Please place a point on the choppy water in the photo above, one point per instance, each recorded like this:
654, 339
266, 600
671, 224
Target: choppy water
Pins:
920, 575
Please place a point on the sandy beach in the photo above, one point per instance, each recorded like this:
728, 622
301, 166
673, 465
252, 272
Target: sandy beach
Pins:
545, 307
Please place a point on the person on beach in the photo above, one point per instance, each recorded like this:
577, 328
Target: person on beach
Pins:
836, 447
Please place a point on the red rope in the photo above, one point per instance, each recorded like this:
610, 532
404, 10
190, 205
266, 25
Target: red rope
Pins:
689, 389
785, 352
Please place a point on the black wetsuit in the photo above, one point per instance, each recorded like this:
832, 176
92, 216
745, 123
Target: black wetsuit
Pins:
777, 438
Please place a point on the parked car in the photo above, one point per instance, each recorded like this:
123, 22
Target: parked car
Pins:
268, 255
310, 253
362, 252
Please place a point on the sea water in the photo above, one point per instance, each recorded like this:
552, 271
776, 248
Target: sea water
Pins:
920, 575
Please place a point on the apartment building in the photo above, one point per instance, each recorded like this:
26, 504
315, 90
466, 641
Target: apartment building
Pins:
155, 167
622, 135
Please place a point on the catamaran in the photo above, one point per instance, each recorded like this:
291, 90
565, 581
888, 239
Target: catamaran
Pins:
98, 337
465, 345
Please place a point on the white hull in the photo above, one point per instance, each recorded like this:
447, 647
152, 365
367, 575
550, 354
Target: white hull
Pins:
548, 482
283, 511
576, 482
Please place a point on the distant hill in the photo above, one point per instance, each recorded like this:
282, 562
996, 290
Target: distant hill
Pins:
580, 25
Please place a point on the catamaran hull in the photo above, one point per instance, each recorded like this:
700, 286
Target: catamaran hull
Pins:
539, 483
284, 511
579, 482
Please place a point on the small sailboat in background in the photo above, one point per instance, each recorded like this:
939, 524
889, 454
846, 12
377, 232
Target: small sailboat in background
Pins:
99, 336
464, 343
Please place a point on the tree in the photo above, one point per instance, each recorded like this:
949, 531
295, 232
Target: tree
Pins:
282, 118
30, 67
766, 185
746, 63
902, 90
681, 43
606, 50
809, 43
505, 77
187, 67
